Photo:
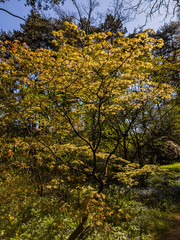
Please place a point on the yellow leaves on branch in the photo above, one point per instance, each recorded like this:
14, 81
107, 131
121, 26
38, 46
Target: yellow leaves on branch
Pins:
85, 70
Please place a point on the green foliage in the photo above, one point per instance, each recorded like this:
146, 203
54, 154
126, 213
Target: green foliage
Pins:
128, 213
132, 174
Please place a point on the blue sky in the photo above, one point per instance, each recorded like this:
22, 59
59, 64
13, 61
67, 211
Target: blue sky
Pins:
8, 22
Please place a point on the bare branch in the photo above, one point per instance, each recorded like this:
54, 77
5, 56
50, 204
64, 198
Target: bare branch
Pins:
2, 9
151, 7
78, 9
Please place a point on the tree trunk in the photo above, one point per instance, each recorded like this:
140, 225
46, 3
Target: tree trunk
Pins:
125, 147
79, 230
86, 230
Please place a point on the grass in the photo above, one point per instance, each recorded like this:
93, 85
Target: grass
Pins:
175, 167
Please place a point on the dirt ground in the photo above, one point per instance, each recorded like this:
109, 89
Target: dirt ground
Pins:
174, 233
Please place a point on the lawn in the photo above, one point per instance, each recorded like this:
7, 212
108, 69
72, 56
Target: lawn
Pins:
175, 167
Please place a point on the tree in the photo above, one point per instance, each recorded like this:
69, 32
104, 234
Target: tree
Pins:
85, 17
74, 99
152, 7
131, 7
91, 21
39, 3
170, 34
36, 32
35, 4
113, 25
159, 143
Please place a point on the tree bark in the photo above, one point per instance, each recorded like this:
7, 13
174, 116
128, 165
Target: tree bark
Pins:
79, 230
86, 230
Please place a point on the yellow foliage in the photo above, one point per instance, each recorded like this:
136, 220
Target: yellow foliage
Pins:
83, 85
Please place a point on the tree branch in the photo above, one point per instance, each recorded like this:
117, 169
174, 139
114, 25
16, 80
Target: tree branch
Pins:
2, 9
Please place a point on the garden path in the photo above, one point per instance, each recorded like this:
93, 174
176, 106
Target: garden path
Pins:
174, 233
